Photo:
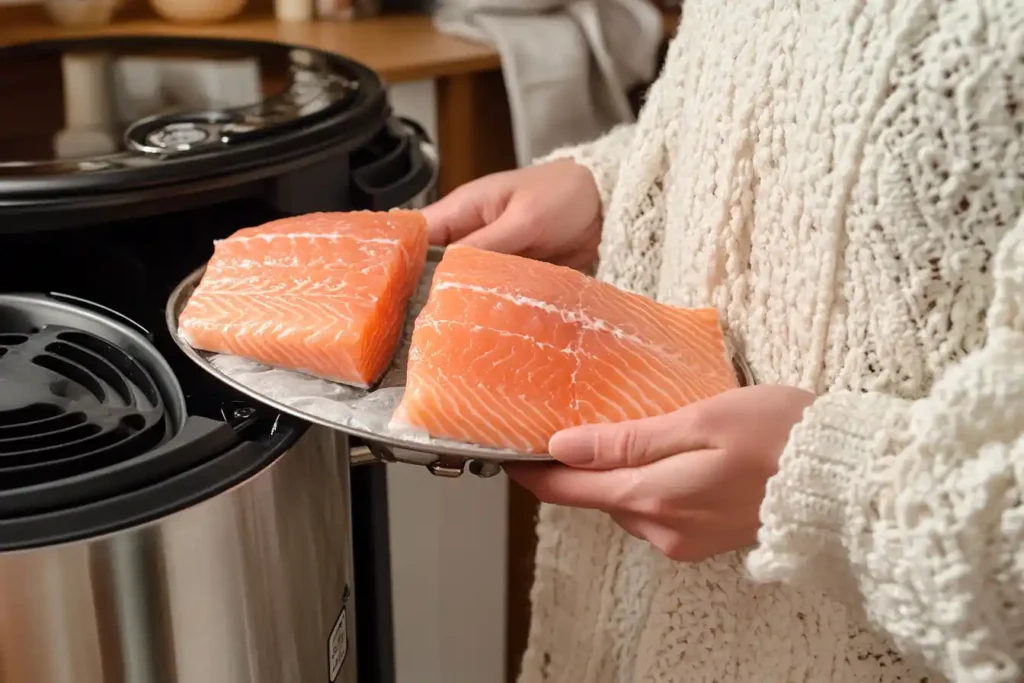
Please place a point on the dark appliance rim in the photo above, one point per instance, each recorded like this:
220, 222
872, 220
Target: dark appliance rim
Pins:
140, 489
344, 130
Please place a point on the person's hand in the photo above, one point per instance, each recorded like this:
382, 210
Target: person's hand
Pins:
690, 482
550, 212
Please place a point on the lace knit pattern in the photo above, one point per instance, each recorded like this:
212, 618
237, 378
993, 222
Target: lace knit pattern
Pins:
843, 180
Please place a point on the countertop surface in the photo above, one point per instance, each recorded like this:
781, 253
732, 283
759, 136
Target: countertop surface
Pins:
399, 47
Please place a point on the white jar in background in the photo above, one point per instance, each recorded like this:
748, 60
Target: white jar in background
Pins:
293, 10
82, 12
198, 11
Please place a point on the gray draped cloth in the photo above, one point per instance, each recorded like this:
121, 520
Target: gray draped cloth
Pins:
568, 64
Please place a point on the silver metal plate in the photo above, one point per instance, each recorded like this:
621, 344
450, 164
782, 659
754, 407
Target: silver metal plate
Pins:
442, 457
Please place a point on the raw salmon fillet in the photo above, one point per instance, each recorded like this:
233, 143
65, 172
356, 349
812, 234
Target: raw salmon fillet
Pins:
508, 351
323, 293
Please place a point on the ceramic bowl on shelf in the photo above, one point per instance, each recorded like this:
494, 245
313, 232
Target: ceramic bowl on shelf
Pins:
198, 11
82, 12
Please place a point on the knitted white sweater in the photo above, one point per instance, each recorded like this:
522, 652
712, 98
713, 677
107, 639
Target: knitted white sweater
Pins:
844, 180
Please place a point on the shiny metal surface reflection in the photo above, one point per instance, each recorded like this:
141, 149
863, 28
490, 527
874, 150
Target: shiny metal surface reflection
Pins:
245, 587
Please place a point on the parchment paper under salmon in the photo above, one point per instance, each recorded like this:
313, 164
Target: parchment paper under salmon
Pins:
322, 293
508, 351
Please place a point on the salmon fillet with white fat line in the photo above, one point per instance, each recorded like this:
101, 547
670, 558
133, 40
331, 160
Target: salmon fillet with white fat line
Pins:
508, 351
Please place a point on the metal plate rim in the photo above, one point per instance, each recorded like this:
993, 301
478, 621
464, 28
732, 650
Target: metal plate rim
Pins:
443, 452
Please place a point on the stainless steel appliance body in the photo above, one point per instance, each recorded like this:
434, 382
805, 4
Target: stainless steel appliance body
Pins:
253, 585
241, 554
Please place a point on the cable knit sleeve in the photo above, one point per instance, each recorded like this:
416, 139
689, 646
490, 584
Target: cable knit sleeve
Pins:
602, 157
915, 509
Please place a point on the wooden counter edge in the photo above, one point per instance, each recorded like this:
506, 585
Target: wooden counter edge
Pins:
400, 48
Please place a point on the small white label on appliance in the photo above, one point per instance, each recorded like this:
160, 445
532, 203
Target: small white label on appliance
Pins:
337, 645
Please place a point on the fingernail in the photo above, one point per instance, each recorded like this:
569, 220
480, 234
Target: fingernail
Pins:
573, 446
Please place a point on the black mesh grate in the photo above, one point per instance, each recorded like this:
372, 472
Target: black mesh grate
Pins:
71, 403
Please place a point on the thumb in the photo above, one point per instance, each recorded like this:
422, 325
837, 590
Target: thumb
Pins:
627, 444
510, 233
452, 217
467, 208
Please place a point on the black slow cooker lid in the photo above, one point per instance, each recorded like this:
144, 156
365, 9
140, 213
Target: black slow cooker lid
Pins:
102, 115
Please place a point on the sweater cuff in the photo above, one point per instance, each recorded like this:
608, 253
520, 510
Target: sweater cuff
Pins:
819, 508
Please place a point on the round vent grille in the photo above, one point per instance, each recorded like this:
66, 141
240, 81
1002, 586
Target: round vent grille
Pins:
71, 403
95, 431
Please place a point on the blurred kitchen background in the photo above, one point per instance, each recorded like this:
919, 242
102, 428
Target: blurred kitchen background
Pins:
495, 83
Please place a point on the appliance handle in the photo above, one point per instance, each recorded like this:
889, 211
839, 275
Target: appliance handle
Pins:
428, 148
402, 174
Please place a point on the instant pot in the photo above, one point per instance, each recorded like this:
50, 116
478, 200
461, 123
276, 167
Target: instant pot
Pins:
156, 526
